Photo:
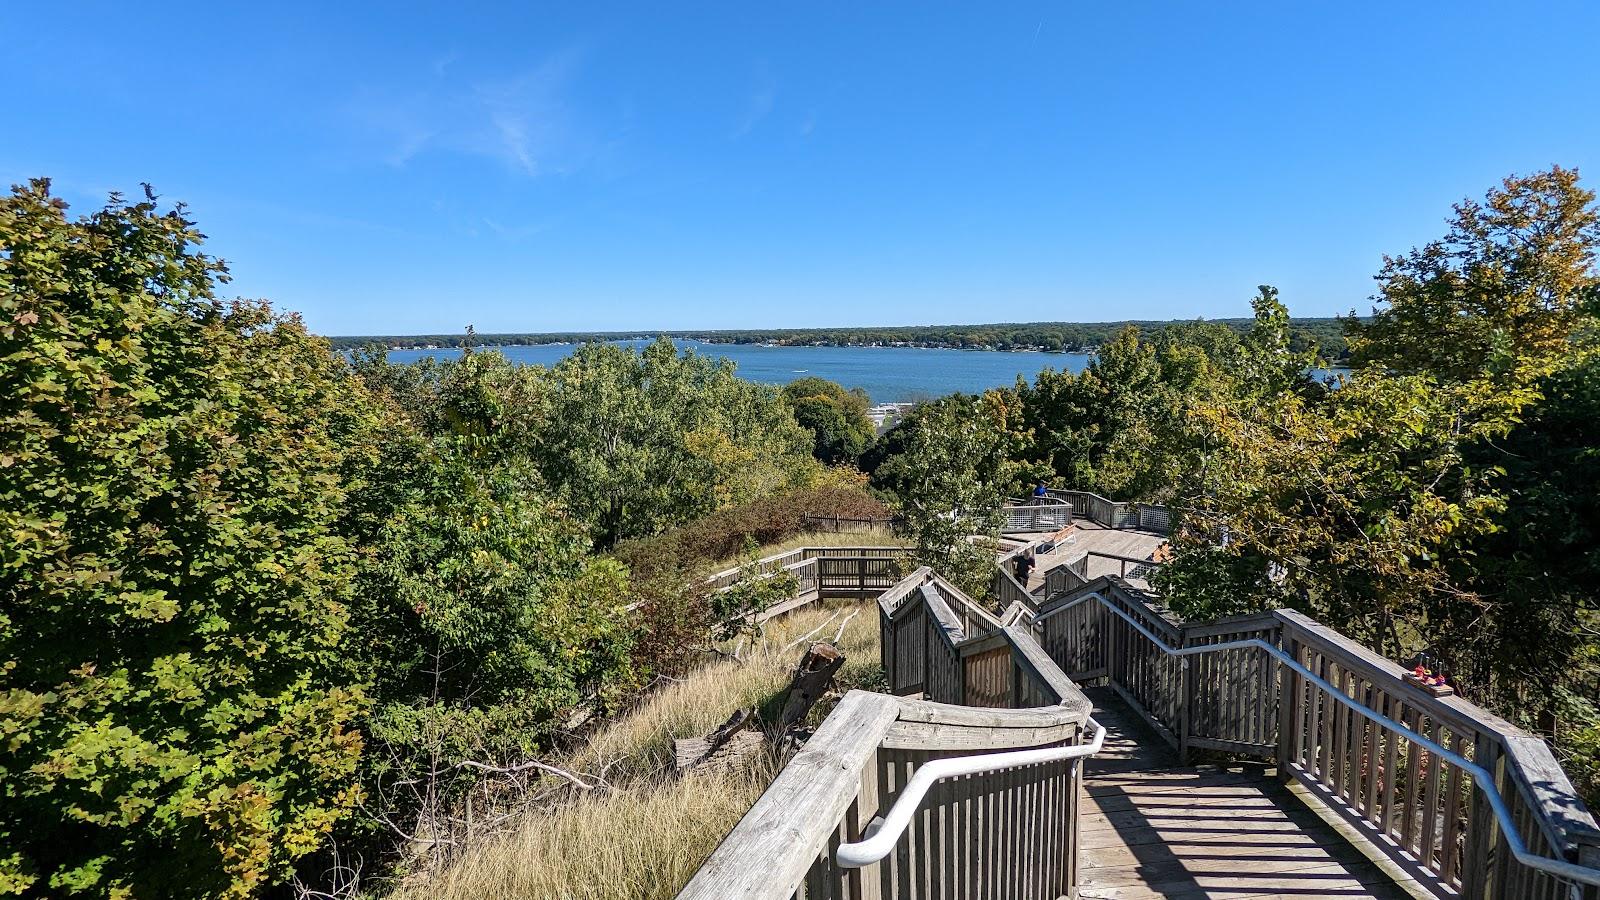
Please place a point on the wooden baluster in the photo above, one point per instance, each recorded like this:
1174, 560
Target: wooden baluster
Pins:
1369, 761
1290, 709
1386, 821
1453, 777
1350, 768
1408, 817
865, 884
1430, 800
1325, 723
1185, 720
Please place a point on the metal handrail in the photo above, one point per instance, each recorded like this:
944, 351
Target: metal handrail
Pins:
884, 833
1480, 776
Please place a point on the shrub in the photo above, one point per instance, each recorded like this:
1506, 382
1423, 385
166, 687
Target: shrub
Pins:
483, 616
725, 534
837, 418
173, 712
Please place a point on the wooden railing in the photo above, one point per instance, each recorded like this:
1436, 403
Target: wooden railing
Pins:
845, 524
873, 566
1432, 780
1047, 514
1127, 566
1070, 575
1116, 514
1011, 832
1466, 802
1009, 591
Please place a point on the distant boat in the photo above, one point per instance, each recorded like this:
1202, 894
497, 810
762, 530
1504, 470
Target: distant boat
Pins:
801, 371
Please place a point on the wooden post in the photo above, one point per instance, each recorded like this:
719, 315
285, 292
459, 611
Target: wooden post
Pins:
1480, 870
1184, 722
867, 883
1289, 707
886, 638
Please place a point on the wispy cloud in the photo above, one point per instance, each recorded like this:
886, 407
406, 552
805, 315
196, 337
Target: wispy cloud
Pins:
526, 122
762, 98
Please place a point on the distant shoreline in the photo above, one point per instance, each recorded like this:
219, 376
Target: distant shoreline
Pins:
1325, 335
679, 337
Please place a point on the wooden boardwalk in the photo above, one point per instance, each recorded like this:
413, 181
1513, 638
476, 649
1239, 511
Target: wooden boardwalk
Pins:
1089, 536
1151, 828
1362, 817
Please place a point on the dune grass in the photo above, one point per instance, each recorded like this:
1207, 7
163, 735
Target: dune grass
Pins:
645, 842
648, 835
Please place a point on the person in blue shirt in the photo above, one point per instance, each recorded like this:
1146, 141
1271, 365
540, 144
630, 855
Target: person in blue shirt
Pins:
1041, 492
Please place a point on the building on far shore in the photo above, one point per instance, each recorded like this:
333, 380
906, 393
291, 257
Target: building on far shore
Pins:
885, 416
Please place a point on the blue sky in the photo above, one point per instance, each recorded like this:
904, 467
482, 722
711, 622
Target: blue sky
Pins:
407, 168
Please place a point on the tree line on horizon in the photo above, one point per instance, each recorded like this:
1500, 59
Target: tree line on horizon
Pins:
1323, 336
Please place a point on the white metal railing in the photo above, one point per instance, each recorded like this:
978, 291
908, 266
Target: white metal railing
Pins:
884, 833
1482, 778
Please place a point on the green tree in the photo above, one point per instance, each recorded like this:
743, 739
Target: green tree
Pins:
837, 418
639, 440
947, 480
175, 716
483, 617
1372, 505
1122, 426
1497, 299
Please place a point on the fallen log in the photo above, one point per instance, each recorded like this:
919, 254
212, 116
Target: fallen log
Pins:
731, 744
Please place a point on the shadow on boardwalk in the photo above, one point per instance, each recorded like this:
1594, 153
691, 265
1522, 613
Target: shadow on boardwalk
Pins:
1152, 828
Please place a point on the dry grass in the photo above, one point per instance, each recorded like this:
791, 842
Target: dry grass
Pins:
640, 742
645, 839
645, 843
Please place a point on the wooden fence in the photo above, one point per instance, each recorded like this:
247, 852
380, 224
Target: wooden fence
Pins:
847, 524
1427, 809
1010, 832
1048, 514
1116, 514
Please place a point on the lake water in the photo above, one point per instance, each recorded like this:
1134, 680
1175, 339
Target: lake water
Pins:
887, 374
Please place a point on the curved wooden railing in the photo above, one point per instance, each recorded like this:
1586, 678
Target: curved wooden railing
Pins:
1468, 802
1007, 832
1116, 514
1046, 514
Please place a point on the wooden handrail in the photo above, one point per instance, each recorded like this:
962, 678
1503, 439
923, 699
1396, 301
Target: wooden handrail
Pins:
768, 564
1349, 725
1115, 514
856, 764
